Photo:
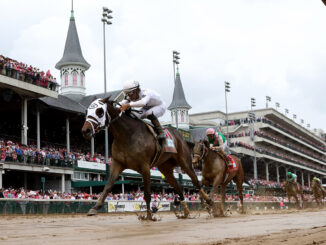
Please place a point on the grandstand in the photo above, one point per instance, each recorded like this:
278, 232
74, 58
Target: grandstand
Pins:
40, 133
279, 143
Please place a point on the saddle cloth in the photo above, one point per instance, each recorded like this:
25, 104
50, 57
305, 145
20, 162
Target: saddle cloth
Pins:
234, 167
168, 144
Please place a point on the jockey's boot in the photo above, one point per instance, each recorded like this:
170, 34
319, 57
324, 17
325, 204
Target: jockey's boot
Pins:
227, 159
157, 126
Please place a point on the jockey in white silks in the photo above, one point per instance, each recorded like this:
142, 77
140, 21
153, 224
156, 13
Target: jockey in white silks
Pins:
150, 103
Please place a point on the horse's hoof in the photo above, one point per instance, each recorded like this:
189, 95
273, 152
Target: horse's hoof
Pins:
91, 212
148, 218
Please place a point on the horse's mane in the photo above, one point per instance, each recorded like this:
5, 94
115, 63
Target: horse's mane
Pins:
205, 142
129, 112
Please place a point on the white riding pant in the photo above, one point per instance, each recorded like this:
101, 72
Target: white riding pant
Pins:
158, 111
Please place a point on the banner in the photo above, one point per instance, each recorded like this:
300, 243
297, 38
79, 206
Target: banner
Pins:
134, 206
91, 165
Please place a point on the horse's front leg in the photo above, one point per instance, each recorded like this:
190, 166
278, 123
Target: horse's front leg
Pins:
115, 170
147, 192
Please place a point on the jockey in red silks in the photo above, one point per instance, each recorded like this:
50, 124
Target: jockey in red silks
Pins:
150, 103
217, 142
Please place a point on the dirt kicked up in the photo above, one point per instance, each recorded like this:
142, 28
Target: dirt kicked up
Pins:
273, 227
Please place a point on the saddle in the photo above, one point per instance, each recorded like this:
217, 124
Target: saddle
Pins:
167, 144
226, 159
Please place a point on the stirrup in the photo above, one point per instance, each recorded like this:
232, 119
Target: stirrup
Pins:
161, 136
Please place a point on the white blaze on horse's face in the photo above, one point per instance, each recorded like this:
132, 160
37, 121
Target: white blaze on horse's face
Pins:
96, 115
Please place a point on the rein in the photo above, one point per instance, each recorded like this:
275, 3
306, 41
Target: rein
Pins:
94, 122
203, 153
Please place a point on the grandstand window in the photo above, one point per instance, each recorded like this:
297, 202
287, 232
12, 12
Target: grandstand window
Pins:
74, 78
182, 117
76, 175
82, 80
66, 79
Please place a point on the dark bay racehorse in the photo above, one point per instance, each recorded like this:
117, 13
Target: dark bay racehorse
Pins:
292, 189
318, 191
214, 172
134, 147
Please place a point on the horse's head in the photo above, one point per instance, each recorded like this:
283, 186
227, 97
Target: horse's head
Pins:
98, 116
199, 150
284, 185
313, 184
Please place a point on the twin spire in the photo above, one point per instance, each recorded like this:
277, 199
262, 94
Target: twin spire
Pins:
72, 54
179, 99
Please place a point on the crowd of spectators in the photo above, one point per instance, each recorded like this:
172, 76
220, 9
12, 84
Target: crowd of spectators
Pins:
265, 183
50, 155
279, 126
27, 73
281, 142
47, 155
282, 156
133, 196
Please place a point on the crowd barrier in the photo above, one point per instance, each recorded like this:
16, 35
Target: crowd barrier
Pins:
30, 206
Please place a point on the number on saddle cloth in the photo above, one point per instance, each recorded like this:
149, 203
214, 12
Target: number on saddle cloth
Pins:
168, 144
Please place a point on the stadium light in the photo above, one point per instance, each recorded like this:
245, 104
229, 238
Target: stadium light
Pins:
252, 118
253, 102
106, 17
277, 105
227, 89
286, 111
268, 99
176, 58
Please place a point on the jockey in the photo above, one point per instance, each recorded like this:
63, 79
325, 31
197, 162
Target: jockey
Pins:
150, 102
218, 142
292, 177
317, 180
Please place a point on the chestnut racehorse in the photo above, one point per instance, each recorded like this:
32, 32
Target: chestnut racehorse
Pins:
215, 172
292, 189
318, 191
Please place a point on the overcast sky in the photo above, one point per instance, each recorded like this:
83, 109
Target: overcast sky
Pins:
262, 47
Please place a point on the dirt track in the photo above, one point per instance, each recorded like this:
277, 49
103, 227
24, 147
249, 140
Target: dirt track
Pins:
284, 227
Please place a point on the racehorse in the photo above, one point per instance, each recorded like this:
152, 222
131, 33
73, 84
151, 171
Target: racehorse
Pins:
292, 189
135, 147
318, 191
215, 172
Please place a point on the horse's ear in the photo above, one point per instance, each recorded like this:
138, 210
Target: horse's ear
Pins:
195, 141
94, 98
106, 100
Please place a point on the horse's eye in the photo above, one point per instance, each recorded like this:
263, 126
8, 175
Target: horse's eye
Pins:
99, 112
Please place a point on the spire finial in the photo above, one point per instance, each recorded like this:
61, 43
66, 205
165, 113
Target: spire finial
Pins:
72, 9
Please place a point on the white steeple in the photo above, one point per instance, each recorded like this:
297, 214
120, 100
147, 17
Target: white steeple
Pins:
72, 65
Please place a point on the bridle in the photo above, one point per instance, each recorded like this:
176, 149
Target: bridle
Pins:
93, 121
203, 153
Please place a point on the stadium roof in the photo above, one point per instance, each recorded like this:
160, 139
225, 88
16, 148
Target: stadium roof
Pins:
64, 103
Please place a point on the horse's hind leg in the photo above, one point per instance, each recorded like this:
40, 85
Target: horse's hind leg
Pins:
115, 170
166, 169
297, 201
239, 183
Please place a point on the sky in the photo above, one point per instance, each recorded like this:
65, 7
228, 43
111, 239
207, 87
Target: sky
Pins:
263, 48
